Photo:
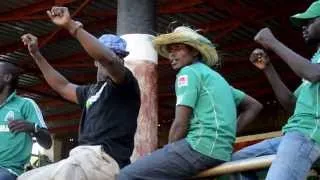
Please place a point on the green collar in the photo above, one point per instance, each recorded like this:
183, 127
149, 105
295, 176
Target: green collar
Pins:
9, 98
315, 55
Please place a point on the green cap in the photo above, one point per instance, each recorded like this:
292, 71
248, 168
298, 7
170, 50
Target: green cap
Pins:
312, 12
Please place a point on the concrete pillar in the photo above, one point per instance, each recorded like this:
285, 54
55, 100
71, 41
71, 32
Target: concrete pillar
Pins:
136, 16
135, 24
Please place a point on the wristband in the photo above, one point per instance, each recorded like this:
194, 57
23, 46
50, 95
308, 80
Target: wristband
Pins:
36, 128
74, 30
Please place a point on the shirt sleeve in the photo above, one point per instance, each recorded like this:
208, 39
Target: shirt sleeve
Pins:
129, 87
32, 113
297, 91
187, 87
82, 95
238, 95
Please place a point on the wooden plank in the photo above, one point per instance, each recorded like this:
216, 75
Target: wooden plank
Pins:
238, 166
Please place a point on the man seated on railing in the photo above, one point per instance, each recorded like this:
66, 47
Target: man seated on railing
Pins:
109, 106
20, 120
299, 147
203, 131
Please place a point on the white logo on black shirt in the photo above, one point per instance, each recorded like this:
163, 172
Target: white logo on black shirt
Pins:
95, 97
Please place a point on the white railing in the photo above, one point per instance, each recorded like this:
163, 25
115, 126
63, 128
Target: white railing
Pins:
238, 166
246, 164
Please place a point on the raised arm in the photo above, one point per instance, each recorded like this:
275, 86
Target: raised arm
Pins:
286, 98
57, 82
300, 65
112, 63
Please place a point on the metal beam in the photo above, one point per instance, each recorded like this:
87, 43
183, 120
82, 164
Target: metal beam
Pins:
64, 129
176, 5
53, 34
242, 14
26, 11
52, 103
65, 116
91, 27
187, 10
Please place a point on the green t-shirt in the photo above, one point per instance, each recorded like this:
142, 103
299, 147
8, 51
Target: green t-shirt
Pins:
15, 149
306, 116
212, 126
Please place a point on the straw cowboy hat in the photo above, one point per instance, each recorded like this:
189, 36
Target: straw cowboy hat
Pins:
190, 37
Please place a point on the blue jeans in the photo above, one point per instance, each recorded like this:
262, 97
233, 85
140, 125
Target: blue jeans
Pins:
295, 154
6, 175
174, 161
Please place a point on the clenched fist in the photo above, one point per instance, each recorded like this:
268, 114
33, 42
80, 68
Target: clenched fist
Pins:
259, 58
31, 42
60, 16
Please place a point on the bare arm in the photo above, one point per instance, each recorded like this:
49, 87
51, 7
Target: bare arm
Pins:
283, 94
57, 82
43, 136
286, 98
300, 65
179, 127
249, 108
113, 64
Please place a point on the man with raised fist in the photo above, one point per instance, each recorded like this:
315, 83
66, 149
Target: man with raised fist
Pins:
299, 146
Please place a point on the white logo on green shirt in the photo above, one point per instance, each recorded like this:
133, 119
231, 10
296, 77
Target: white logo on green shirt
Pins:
182, 80
9, 116
4, 127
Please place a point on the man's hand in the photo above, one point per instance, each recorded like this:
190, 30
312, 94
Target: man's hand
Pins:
31, 42
259, 58
60, 16
265, 38
17, 126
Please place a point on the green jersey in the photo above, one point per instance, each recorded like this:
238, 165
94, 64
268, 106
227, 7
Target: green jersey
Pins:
15, 148
306, 116
212, 127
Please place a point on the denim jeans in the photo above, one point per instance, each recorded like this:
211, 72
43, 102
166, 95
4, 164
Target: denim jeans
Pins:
6, 175
295, 154
174, 161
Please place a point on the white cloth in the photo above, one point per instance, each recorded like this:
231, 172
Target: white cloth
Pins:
83, 163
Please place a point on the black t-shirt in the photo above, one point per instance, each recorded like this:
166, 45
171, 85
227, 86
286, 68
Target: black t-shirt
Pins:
109, 116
